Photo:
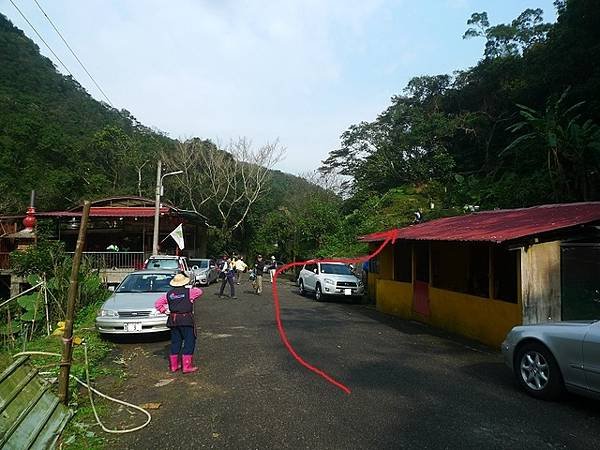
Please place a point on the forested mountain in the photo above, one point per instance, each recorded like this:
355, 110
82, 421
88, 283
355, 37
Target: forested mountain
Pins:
520, 128
55, 138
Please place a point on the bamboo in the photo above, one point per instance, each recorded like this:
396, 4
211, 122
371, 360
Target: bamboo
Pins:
45, 288
67, 353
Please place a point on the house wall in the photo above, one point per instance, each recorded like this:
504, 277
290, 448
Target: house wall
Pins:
385, 262
477, 318
540, 283
484, 319
394, 297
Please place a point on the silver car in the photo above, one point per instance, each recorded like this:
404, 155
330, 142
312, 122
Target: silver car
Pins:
130, 309
548, 358
329, 279
204, 271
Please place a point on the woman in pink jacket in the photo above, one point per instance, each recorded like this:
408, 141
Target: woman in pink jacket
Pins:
178, 303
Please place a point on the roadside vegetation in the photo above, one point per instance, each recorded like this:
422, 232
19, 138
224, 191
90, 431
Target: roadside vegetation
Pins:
24, 328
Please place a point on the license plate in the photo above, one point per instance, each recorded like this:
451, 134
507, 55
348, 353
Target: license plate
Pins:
347, 291
133, 326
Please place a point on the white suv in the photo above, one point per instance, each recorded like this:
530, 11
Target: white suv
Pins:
329, 279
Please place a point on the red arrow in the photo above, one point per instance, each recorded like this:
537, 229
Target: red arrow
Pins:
388, 237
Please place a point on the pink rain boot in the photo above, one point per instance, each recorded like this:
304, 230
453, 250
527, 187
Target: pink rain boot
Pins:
174, 363
188, 364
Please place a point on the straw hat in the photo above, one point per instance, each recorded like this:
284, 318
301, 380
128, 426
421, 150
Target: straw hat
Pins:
179, 280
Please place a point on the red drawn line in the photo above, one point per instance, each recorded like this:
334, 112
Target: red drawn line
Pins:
390, 237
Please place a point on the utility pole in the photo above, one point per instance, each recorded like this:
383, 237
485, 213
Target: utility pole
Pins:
67, 352
159, 192
156, 209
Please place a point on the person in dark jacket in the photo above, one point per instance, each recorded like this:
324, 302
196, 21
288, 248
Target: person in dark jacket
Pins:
227, 276
178, 303
259, 267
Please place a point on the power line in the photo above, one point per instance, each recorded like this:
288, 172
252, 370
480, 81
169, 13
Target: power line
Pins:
41, 38
72, 52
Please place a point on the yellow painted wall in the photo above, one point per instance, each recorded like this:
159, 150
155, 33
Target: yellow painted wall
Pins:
478, 318
483, 319
386, 269
394, 297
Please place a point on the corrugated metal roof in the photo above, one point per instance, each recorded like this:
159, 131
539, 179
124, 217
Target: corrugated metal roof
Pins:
108, 211
498, 225
30, 414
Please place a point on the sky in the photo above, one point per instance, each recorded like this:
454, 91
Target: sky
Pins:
300, 71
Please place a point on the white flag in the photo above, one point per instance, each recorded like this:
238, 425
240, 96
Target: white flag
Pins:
177, 235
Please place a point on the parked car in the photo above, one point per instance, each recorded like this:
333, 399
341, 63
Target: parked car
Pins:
329, 279
130, 309
205, 271
548, 358
168, 262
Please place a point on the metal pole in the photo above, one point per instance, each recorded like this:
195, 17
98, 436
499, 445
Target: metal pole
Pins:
156, 209
67, 353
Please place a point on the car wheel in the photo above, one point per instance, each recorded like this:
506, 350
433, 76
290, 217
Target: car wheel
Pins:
301, 288
537, 371
318, 293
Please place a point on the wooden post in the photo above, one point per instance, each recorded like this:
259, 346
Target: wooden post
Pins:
67, 352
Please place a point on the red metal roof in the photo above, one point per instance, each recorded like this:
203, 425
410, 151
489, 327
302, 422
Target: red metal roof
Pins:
497, 226
108, 211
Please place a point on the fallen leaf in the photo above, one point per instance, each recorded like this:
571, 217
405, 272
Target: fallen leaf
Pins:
215, 435
150, 405
162, 383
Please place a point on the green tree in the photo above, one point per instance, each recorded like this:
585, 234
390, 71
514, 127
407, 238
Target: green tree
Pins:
512, 39
571, 146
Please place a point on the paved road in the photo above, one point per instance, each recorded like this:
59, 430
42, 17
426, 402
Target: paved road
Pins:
412, 387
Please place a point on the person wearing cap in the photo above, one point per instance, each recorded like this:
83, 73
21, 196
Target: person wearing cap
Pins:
272, 267
259, 268
178, 303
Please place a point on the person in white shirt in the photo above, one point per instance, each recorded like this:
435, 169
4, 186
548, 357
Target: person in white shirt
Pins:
240, 267
272, 267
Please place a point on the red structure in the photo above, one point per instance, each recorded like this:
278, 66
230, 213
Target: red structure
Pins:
119, 230
499, 225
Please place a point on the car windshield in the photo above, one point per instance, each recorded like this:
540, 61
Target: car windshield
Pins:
163, 264
152, 282
201, 263
336, 269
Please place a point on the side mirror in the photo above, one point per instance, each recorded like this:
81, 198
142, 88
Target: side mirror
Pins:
315, 271
195, 267
111, 288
